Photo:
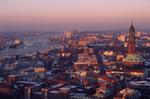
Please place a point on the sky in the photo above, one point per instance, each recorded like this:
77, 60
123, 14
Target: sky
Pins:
67, 15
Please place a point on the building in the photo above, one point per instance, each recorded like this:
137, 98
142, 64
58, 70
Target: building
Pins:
122, 37
142, 86
128, 93
68, 35
132, 60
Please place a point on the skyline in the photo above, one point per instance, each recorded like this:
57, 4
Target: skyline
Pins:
66, 15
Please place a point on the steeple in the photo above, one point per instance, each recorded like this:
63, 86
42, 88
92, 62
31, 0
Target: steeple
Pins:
131, 40
131, 29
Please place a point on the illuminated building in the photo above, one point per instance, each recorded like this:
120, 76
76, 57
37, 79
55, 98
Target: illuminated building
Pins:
128, 93
138, 34
122, 37
132, 60
16, 43
108, 53
68, 35
82, 43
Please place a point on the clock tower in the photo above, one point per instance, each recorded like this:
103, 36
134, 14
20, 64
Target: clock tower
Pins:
132, 59
131, 40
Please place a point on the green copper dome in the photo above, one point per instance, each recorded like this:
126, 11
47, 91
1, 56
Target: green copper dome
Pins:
133, 58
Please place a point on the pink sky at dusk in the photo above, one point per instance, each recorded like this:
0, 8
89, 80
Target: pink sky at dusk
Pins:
61, 15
